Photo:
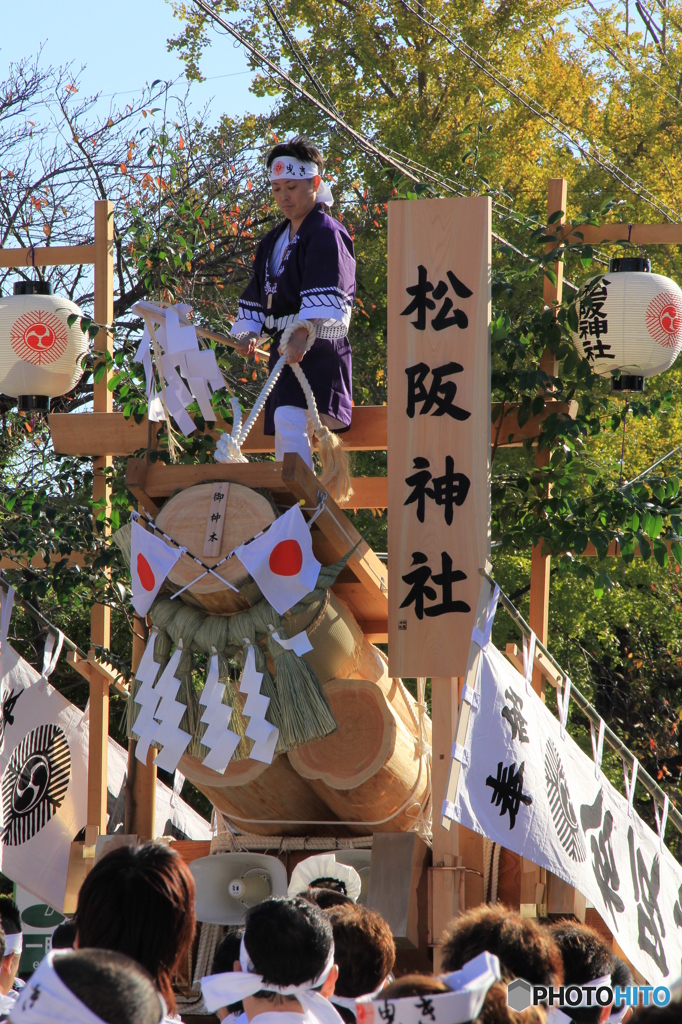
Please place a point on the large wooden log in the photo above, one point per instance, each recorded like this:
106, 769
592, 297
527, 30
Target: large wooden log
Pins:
184, 518
265, 799
369, 770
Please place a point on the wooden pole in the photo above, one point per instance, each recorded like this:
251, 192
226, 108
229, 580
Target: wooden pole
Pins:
540, 564
100, 618
533, 891
141, 784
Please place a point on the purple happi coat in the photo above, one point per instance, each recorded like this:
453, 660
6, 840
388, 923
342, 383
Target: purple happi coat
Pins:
316, 280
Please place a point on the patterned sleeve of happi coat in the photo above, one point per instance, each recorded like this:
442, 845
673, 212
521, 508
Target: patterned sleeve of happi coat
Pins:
251, 315
328, 286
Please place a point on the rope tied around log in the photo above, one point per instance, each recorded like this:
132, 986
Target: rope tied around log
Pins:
335, 475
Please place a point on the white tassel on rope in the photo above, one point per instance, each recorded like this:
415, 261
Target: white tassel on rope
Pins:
335, 475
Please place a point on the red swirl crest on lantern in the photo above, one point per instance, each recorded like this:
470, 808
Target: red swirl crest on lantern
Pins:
38, 337
664, 319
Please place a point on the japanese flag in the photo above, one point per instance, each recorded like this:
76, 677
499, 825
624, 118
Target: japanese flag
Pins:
151, 559
282, 561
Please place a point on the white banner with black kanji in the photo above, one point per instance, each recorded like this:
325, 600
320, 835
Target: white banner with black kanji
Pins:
44, 773
528, 786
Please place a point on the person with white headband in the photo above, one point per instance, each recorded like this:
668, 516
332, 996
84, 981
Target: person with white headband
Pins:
285, 973
588, 961
455, 998
304, 270
88, 986
10, 919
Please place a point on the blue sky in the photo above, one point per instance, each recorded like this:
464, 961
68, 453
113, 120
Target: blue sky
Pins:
123, 45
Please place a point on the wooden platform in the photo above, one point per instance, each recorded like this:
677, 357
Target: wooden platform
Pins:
91, 434
363, 584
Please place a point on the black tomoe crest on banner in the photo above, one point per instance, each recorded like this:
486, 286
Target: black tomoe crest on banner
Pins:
563, 814
34, 783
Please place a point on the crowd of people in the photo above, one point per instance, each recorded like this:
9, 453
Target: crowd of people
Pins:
314, 958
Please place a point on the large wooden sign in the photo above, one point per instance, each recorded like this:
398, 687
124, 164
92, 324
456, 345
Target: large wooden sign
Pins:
438, 429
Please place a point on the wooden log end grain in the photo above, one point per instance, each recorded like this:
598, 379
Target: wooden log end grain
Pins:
367, 769
274, 793
184, 518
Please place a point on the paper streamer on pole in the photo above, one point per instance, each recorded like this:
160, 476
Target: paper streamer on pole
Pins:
217, 715
148, 697
263, 734
168, 732
299, 644
181, 360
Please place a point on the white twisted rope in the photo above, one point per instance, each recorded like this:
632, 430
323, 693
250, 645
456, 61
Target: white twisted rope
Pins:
229, 447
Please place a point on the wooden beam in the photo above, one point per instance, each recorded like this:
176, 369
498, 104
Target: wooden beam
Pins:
342, 535
50, 256
92, 434
549, 672
12, 560
141, 782
152, 483
638, 234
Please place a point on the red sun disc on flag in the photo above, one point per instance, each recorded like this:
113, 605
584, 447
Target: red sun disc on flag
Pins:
664, 319
38, 337
286, 558
145, 573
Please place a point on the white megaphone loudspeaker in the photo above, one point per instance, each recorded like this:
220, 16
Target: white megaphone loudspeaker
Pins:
229, 883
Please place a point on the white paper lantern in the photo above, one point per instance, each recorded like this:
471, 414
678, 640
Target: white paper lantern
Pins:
40, 355
629, 321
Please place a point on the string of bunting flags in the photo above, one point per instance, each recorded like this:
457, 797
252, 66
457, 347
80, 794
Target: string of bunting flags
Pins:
524, 783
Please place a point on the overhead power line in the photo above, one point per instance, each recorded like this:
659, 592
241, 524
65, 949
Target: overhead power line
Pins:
406, 166
586, 148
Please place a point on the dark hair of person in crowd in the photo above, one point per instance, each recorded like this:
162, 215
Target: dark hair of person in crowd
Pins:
10, 920
494, 1010
64, 935
288, 941
140, 901
586, 957
364, 952
325, 899
10, 916
111, 985
414, 985
525, 950
621, 973
298, 147
227, 952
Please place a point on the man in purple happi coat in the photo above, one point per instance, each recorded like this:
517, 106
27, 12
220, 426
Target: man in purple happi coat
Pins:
304, 270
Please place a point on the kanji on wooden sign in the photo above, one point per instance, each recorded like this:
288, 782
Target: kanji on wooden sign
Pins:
216, 520
439, 429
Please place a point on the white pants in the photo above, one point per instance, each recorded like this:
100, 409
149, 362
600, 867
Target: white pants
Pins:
291, 433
